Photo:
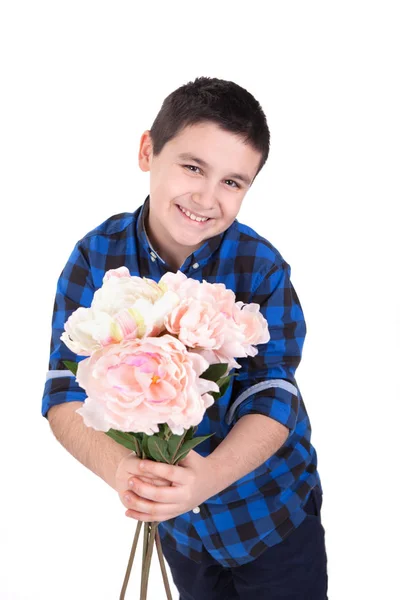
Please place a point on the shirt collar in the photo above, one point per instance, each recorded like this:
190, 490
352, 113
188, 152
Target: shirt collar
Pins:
141, 231
200, 256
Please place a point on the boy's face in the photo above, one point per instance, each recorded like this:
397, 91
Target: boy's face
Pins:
213, 190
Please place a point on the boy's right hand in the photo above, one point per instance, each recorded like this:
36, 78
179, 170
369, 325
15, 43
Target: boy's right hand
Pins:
128, 468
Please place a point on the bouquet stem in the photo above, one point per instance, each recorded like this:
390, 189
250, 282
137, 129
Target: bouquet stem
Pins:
148, 544
130, 561
162, 565
150, 535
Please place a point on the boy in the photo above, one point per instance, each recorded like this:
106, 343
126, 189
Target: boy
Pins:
242, 516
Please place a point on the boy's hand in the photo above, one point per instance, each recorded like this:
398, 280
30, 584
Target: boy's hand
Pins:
192, 483
129, 467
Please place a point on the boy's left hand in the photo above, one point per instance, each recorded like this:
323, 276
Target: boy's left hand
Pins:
192, 482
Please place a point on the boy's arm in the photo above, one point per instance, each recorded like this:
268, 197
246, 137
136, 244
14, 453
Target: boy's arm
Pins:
111, 461
62, 395
75, 288
265, 397
250, 442
266, 382
94, 449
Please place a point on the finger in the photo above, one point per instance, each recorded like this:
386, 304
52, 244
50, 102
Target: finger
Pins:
173, 473
154, 480
158, 518
141, 516
146, 507
131, 467
162, 494
135, 502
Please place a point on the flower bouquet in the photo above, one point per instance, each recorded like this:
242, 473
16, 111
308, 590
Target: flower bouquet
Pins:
158, 355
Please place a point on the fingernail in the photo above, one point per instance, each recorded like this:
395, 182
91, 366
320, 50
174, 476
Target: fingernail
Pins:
127, 498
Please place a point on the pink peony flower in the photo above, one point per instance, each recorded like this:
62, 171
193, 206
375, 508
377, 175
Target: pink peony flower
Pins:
233, 346
252, 322
197, 324
124, 307
216, 294
137, 384
87, 330
246, 329
172, 281
209, 321
121, 290
120, 272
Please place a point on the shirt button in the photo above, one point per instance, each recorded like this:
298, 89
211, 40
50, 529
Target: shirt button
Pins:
196, 510
196, 266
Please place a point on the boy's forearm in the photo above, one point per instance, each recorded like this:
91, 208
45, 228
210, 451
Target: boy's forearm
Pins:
251, 441
94, 449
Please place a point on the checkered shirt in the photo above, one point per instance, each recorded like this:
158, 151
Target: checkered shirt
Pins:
263, 507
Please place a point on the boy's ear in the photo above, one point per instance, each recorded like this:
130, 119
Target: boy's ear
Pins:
145, 151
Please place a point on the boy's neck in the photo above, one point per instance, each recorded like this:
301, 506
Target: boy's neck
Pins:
173, 260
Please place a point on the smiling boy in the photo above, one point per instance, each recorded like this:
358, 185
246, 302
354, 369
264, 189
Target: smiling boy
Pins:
181, 179
242, 516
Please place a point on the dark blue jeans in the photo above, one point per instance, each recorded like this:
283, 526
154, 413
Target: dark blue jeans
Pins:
294, 569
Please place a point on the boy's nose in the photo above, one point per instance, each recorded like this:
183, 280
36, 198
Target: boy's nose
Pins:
203, 201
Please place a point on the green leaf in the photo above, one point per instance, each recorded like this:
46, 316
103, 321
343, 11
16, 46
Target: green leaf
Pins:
138, 437
224, 384
123, 434
158, 449
189, 445
215, 372
197, 440
145, 449
221, 382
175, 443
122, 438
71, 366
162, 427
190, 433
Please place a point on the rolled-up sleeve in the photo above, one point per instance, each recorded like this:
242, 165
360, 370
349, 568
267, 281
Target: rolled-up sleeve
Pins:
75, 288
266, 383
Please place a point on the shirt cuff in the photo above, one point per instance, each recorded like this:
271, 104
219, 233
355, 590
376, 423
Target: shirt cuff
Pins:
61, 388
275, 398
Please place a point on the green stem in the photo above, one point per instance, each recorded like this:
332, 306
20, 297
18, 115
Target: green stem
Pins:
150, 534
145, 544
162, 565
130, 562
151, 527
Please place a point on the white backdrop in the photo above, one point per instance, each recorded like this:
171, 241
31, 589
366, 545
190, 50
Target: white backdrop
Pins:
81, 81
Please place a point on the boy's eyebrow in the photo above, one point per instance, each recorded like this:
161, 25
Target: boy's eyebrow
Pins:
203, 163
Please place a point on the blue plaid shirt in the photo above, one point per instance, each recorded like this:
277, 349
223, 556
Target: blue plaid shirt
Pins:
263, 507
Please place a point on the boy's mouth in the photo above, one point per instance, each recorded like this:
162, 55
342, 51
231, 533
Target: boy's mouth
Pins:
192, 217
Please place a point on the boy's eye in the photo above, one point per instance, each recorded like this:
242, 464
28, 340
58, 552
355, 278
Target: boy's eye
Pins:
238, 186
190, 167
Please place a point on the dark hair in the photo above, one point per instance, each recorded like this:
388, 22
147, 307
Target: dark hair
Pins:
225, 103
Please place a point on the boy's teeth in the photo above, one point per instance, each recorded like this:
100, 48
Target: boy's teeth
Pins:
193, 217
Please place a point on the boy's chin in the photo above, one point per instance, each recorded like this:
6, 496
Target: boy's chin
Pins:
192, 238
192, 242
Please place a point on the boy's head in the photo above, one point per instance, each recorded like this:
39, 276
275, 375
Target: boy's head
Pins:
205, 148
